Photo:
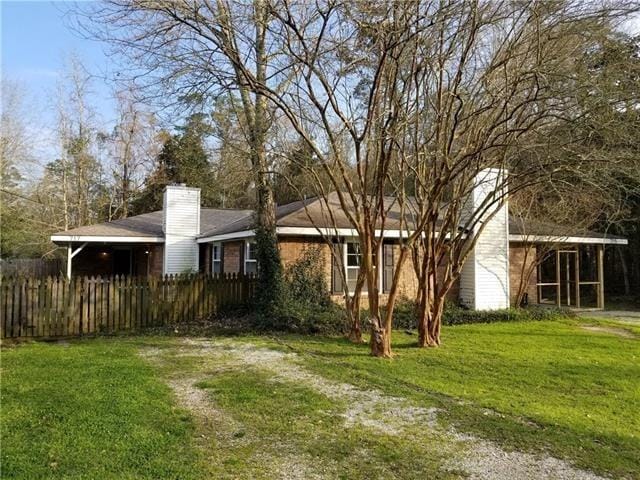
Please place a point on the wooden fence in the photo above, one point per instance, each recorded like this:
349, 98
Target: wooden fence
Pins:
55, 307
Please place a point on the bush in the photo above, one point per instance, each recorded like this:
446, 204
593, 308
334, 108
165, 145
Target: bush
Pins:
306, 305
454, 315
405, 315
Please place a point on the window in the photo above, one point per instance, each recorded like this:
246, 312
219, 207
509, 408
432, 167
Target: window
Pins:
353, 261
250, 260
347, 259
216, 258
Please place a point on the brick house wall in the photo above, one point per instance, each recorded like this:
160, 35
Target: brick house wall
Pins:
292, 248
156, 254
93, 261
232, 256
517, 256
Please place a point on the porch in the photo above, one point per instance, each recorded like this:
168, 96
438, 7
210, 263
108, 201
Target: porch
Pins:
571, 276
92, 259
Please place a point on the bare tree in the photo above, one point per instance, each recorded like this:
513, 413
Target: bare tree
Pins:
196, 52
133, 145
435, 94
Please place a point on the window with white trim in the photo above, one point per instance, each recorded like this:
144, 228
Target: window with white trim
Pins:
250, 260
216, 258
352, 263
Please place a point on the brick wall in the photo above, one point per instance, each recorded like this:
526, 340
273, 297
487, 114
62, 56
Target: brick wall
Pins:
232, 256
291, 248
93, 261
156, 253
517, 257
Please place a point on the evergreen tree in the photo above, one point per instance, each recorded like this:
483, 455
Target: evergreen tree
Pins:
183, 159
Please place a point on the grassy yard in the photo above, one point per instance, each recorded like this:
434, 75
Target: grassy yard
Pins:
313, 407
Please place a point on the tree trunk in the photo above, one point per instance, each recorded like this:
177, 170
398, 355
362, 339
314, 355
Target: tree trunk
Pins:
353, 310
380, 338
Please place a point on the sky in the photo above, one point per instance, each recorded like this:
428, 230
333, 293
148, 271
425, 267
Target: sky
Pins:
36, 38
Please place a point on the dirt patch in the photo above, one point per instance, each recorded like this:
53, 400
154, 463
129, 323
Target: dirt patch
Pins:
383, 414
370, 408
620, 332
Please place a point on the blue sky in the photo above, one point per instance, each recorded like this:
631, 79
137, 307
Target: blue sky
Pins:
36, 39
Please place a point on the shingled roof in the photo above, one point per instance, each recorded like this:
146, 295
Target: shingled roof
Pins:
309, 213
150, 224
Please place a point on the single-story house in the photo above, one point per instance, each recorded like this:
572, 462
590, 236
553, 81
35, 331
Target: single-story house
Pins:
183, 237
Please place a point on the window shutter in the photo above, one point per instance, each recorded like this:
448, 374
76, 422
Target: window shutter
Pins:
387, 267
336, 268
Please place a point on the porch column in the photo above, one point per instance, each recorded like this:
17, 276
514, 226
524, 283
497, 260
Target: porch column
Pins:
70, 254
69, 259
600, 252
558, 286
576, 276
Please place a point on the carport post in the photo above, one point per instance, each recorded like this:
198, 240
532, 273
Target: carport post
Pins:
69, 257
600, 254
70, 254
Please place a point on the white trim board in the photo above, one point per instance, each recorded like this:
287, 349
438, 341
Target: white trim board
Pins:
304, 231
227, 236
559, 239
105, 239
350, 232
341, 232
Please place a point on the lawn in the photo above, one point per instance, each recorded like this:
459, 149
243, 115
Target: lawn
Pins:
315, 407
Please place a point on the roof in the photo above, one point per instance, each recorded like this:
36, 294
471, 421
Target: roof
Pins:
306, 214
149, 225
533, 228
313, 213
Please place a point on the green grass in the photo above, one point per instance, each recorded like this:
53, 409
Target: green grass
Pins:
90, 410
556, 387
97, 409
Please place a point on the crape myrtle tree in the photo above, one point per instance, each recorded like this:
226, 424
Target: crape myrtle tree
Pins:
195, 52
498, 80
422, 98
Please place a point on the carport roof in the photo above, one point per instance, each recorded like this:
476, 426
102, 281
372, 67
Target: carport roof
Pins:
146, 226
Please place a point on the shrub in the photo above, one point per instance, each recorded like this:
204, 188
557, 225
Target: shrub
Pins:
306, 305
405, 315
454, 315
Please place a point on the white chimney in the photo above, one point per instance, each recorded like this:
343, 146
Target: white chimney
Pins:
181, 226
484, 281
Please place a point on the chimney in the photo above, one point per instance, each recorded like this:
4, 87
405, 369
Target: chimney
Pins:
181, 226
484, 280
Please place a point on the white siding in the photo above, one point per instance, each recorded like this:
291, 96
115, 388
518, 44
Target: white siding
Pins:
180, 254
181, 211
484, 282
181, 224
